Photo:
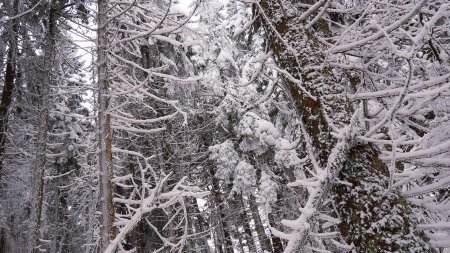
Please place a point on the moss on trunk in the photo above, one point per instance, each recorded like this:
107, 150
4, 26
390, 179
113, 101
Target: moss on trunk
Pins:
372, 219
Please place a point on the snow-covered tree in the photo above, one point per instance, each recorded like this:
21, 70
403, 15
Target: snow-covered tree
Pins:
138, 46
224, 126
330, 54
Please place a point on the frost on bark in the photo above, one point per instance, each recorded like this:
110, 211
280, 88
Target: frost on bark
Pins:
369, 219
105, 132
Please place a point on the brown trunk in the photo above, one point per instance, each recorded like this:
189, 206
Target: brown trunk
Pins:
107, 231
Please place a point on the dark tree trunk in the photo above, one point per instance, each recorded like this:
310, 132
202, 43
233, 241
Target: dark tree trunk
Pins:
262, 236
277, 244
6, 101
8, 85
250, 242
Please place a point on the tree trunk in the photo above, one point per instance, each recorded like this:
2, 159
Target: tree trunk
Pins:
237, 235
245, 222
5, 103
41, 153
259, 227
276, 241
226, 243
105, 131
319, 98
8, 87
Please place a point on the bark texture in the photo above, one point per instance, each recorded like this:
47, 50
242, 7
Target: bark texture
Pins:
105, 133
320, 100
8, 87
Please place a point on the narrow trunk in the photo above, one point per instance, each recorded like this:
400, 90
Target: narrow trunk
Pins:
8, 85
237, 235
105, 132
58, 233
217, 230
6, 99
158, 218
276, 241
5, 103
227, 243
2, 242
259, 227
140, 237
41, 160
250, 242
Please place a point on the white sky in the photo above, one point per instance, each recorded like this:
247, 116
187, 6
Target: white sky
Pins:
183, 5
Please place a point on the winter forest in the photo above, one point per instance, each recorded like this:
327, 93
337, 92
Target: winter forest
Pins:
203, 126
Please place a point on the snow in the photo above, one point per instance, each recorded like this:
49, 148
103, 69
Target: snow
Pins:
244, 179
267, 192
226, 158
399, 108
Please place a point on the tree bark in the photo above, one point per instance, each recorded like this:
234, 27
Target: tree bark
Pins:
8, 87
319, 98
105, 131
262, 236
245, 222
